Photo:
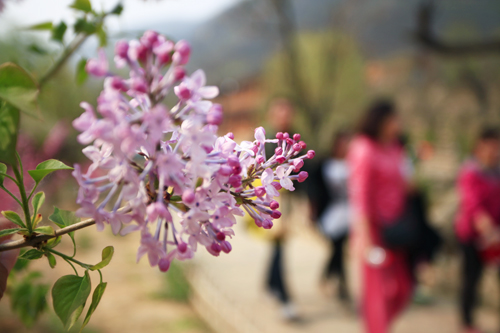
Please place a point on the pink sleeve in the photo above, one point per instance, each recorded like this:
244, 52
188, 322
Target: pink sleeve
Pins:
361, 177
471, 195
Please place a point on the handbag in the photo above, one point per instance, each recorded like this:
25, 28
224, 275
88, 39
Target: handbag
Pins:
404, 233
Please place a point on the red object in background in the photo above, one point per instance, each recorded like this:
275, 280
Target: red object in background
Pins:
491, 254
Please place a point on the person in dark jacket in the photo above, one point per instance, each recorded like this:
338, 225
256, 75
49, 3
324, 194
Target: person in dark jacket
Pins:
328, 198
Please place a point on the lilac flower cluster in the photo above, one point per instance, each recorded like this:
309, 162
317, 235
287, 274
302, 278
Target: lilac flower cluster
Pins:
162, 170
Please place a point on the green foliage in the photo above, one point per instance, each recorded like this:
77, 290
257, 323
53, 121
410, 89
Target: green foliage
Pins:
82, 25
18, 88
52, 260
41, 26
58, 32
9, 125
81, 73
13, 217
6, 232
175, 286
28, 298
96, 298
331, 69
37, 203
107, 255
117, 10
64, 218
32, 254
83, 5
3, 169
45, 230
45, 168
69, 295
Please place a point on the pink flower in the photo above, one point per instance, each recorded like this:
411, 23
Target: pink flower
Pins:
99, 66
282, 174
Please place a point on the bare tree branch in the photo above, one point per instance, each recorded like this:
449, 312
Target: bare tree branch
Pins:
426, 37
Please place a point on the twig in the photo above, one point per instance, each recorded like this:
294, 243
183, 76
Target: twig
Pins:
17, 244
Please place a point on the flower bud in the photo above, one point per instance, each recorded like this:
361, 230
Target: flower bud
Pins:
276, 214
121, 49
230, 135
139, 85
118, 84
234, 181
215, 248
164, 264
221, 236
296, 137
233, 161
237, 169
303, 144
278, 151
226, 246
225, 170
214, 115
277, 185
258, 223
260, 191
182, 52
149, 38
267, 224
310, 154
296, 147
188, 196
274, 205
303, 176
279, 135
280, 159
298, 164
182, 247
286, 135
289, 141
260, 159
179, 73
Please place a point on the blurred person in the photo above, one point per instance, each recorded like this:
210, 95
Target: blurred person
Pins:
378, 188
280, 117
327, 191
477, 223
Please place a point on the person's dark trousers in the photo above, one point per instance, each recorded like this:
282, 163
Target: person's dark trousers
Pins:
275, 282
335, 265
472, 270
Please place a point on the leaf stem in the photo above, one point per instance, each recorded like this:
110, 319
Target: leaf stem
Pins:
10, 177
65, 257
12, 195
24, 198
69, 262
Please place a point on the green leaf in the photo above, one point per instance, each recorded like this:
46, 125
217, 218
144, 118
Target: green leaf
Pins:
28, 297
107, 255
3, 169
37, 49
31, 254
9, 126
82, 25
52, 260
81, 73
58, 32
96, 298
74, 317
18, 88
83, 5
13, 217
68, 294
46, 230
64, 218
6, 232
47, 167
103, 37
117, 10
53, 242
37, 202
41, 26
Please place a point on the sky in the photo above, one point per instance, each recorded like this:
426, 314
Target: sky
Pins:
138, 14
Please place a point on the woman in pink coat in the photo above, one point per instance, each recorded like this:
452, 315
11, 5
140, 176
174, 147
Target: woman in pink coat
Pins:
378, 189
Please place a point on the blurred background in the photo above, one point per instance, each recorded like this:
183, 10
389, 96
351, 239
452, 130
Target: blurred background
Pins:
438, 60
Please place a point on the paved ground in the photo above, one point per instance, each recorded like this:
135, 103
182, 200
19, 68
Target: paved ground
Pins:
230, 293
